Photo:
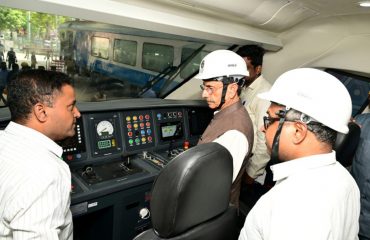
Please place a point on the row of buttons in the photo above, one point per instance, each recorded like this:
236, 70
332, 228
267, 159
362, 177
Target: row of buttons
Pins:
135, 118
142, 132
136, 126
169, 115
137, 141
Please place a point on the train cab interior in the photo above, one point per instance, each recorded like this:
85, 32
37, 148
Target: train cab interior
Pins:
140, 114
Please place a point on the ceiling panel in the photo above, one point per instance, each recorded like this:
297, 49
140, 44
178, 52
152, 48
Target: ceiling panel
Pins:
273, 15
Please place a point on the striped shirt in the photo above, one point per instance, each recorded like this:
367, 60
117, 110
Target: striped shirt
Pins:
34, 186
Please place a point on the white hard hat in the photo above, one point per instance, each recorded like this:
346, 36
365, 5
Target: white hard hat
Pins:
315, 93
221, 63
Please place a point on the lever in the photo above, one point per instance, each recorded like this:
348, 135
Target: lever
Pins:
126, 161
173, 138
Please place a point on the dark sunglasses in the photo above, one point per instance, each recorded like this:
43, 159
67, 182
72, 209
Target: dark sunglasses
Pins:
267, 121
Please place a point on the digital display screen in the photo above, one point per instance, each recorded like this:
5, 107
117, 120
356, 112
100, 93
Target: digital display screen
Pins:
104, 144
171, 130
168, 131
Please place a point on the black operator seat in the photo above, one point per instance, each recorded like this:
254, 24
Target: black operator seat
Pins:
190, 197
346, 144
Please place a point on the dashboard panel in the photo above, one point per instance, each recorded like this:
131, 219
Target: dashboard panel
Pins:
124, 140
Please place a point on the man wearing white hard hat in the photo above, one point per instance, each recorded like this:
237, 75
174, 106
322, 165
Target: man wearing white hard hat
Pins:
223, 73
314, 197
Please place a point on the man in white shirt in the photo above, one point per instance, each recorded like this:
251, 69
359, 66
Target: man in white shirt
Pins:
35, 182
314, 197
255, 83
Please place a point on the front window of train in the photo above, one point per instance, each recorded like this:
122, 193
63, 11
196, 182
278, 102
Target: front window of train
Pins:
105, 61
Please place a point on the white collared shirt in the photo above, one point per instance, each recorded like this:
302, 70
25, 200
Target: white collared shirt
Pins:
256, 108
35, 186
315, 198
237, 145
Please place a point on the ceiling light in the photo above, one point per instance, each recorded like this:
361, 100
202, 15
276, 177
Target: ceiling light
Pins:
364, 4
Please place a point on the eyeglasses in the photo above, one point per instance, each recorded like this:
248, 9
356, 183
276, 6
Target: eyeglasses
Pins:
267, 121
210, 90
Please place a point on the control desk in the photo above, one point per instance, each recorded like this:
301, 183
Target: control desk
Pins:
118, 150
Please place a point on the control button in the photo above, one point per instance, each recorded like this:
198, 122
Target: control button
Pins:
136, 125
143, 139
186, 145
147, 116
129, 126
149, 131
141, 117
144, 213
142, 132
128, 118
129, 134
131, 141
147, 124
159, 116
150, 138
134, 118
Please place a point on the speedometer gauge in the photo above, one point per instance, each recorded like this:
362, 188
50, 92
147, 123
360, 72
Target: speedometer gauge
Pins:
104, 128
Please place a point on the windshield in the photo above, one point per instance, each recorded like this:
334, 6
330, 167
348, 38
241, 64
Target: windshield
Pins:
105, 61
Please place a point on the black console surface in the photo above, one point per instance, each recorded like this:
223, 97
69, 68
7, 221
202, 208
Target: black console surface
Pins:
105, 172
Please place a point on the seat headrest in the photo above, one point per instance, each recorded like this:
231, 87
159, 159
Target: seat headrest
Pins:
193, 188
346, 144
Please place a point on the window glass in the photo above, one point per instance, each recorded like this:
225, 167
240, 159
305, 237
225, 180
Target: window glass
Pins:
66, 41
193, 65
100, 47
124, 51
105, 61
357, 86
157, 57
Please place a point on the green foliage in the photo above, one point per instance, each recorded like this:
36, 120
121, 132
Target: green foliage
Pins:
42, 24
11, 19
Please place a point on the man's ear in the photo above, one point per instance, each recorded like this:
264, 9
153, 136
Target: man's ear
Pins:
258, 70
232, 90
300, 132
40, 112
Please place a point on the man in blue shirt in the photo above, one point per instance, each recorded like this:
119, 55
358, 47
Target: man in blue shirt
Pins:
360, 172
3, 80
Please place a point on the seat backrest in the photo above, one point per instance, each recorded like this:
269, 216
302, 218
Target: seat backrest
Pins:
346, 144
190, 197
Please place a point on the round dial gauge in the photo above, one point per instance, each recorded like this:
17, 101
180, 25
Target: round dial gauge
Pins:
104, 128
